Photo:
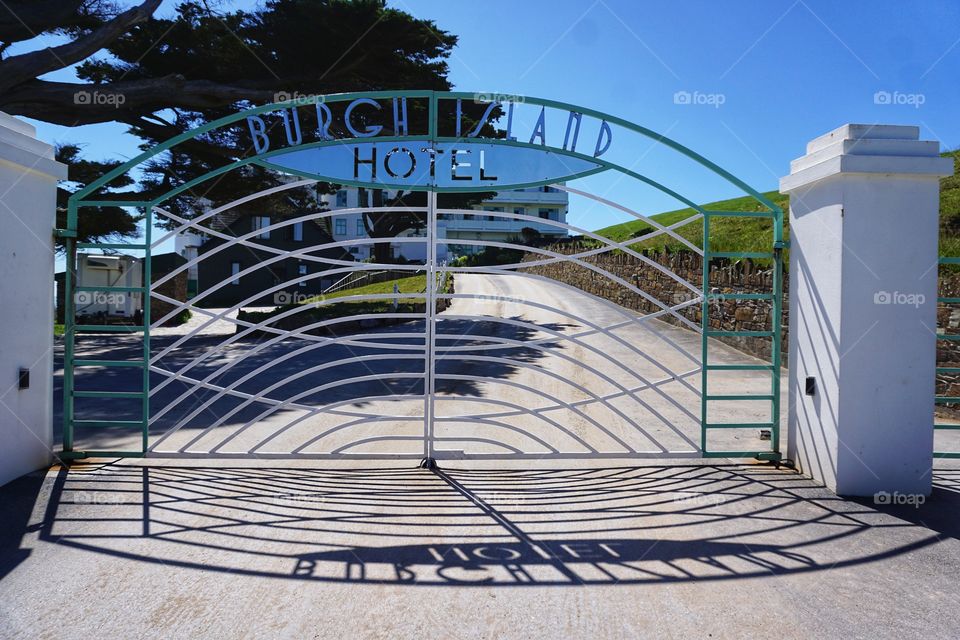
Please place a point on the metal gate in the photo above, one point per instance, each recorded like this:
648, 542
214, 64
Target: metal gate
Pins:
488, 321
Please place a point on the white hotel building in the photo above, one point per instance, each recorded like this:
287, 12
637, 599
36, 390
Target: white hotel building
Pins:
546, 203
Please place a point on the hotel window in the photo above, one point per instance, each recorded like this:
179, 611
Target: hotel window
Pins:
545, 213
298, 232
262, 222
342, 198
340, 227
234, 270
361, 230
302, 270
519, 211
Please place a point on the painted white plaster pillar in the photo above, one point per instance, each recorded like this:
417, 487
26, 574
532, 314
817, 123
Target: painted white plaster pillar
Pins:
28, 201
864, 213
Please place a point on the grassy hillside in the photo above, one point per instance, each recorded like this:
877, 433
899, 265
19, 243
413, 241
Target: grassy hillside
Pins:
755, 234
727, 234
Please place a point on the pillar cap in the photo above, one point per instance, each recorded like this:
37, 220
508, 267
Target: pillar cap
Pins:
20, 146
867, 149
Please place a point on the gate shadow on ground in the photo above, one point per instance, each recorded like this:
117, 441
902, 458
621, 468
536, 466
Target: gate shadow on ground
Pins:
382, 367
662, 524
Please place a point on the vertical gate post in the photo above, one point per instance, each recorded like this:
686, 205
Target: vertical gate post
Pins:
28, 205
864, 218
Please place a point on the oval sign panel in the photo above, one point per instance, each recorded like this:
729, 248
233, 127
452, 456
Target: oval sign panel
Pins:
423, 164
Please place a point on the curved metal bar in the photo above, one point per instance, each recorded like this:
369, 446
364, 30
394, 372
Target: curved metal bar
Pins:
639, 320
243, 240
610, 244
559, 257
262, 368
368, 420
651, 360
179, 375
331, 385
194, 222
581, 388
583, 364
300, 332
283, 334
246, 302
650, 221
203, 384
332, 409
513, 450
563, 405
503, 321
519, 410
280, 383
315, 411
578, 403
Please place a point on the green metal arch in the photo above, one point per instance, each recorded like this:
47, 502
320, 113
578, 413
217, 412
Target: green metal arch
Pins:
77, 199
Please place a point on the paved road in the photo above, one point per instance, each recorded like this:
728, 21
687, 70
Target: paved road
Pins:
644, 552
524, 366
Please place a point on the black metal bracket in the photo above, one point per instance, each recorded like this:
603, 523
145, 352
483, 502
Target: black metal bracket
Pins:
429, 464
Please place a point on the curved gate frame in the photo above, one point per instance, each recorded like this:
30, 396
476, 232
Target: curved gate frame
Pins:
86, 198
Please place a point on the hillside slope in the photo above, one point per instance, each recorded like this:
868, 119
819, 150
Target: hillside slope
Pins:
755, 234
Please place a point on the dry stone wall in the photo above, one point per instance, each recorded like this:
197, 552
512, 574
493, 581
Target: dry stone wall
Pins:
727, 276
742, 276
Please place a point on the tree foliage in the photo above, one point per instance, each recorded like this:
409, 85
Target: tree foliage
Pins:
163, 76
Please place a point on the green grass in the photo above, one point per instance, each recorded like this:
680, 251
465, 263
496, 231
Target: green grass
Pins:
950, 209
726, 234
755, 234
58, 330
411, 284
328, 310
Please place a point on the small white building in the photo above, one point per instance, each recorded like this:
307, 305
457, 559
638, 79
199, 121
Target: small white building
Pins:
544, 203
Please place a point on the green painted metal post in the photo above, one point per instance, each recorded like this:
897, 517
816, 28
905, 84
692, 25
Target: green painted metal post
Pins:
69, 331
704, 334
776, 357
147, 279
945, 426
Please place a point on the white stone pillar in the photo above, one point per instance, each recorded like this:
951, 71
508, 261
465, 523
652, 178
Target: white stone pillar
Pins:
28, 201
864, 213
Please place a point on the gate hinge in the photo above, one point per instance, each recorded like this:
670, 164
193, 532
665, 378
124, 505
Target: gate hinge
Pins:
769, 456
64, 233
781, 244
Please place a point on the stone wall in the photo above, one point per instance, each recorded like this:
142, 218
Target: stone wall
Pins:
741, 276
176, 288
948, 351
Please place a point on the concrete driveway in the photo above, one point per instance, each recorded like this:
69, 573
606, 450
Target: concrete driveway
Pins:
677, 551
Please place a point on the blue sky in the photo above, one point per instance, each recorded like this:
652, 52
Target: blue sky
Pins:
784, 71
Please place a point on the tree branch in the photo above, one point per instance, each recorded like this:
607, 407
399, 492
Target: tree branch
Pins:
71, 104
25, 19
17, 69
